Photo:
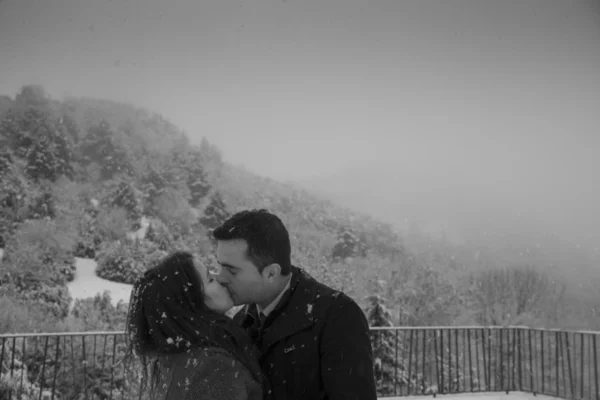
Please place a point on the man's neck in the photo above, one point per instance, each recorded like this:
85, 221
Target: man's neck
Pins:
270, 304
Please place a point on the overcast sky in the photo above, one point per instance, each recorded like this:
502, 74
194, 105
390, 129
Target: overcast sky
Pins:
503, 91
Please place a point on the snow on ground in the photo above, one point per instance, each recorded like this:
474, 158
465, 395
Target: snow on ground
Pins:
88, 284
476, 396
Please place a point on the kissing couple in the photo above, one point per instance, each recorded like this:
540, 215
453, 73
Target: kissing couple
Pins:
294, 339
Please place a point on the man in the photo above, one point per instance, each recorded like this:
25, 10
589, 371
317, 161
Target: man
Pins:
314, 341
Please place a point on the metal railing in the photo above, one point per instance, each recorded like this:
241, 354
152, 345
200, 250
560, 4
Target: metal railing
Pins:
487, 359
408, 361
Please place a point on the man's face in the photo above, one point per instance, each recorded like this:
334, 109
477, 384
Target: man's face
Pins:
238, 274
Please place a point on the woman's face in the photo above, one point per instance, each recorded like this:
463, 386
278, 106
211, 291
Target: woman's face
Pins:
216, 296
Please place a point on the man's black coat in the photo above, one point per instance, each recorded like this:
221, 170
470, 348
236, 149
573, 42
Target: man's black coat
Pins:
315, 345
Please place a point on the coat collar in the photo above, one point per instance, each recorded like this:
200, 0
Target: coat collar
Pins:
293, 314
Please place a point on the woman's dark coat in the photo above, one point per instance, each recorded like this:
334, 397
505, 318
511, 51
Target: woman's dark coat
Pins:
205, 374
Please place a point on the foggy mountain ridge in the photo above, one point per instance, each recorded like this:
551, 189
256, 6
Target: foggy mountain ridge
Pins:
479, 217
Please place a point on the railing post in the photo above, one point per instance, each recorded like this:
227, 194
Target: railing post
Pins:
595, 350
44, 365
449, 332
485, 366
457, 358
581, 357
425, 353
435, 356
112, 367
424, 340
396, 364
442, 388
513, 364
477, 359
410, 347
543, 370
2, 351
56, 353
556, 363
84, 363
569, 365
470, 360
519, 358
502, 363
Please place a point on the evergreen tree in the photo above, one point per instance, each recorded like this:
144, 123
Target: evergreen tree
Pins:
32, 135
348, 245
100, 146
122, 194
15, 131
41, 161
153, 184
32, 96
12, 196
196, 180
215, 213
383, 342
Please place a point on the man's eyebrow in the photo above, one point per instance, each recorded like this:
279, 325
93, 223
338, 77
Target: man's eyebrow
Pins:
226, 265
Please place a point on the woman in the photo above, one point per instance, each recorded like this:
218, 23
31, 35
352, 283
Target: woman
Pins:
189, 349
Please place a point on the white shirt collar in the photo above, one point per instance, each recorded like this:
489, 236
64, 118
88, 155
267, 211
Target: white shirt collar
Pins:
268, 309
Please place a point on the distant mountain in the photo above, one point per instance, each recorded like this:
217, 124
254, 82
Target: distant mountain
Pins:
488, 226
104, 143
405, 197
77, 175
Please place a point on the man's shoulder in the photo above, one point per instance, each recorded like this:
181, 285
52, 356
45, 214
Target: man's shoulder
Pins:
322, 294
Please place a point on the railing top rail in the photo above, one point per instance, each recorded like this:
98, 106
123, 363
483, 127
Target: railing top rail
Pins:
378, 328
480, 327
52, 334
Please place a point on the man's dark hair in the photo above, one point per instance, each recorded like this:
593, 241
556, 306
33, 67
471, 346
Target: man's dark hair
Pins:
268, 239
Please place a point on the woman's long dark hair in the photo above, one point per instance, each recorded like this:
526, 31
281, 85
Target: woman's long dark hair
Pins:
168, 315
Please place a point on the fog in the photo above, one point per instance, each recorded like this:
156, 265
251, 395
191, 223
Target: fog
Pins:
466, 115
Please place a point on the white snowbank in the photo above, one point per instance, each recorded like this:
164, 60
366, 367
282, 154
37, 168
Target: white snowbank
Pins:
88, 284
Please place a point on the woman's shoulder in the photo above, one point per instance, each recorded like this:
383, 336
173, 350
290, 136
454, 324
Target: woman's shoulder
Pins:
215, 361
193, 357
217, 372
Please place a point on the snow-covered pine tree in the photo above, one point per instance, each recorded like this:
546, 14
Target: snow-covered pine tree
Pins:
349, 244
215, 213
153, 183
197, 179
383, 342
124, 195
100, 146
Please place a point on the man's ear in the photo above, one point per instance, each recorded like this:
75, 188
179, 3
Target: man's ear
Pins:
272, 271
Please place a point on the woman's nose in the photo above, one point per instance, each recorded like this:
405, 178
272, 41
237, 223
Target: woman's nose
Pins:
220, 279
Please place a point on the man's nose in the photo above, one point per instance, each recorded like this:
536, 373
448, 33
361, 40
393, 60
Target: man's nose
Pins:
221, 279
